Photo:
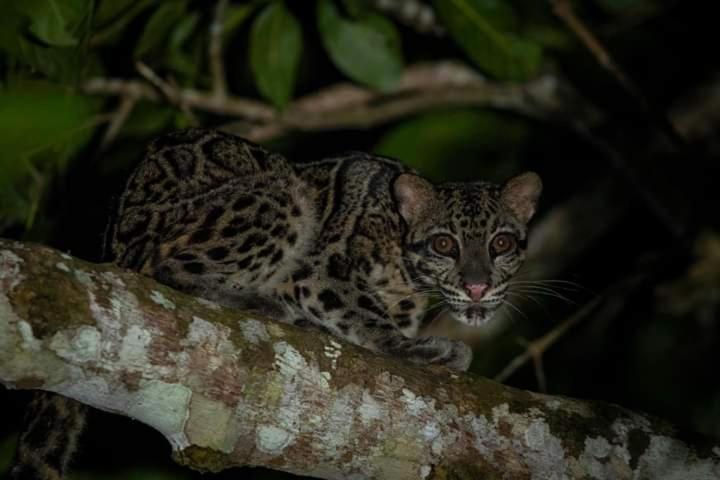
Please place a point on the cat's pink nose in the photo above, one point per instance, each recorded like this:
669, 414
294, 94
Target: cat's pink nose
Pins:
476, 290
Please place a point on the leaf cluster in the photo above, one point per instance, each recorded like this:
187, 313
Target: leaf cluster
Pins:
273, 49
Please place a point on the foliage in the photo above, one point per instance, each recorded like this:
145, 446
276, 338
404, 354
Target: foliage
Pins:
275, 46
59, 44
367, 48
483, 30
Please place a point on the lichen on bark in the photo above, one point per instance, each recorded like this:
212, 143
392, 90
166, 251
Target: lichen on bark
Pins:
227, 388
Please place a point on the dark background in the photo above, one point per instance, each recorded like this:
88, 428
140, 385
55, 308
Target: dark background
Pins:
628, 219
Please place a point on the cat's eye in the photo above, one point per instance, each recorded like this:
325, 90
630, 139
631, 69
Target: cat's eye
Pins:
503, 243
444, 244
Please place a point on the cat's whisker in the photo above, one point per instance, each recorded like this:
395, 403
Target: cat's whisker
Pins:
535, 286
511, 305
546, 292
560, 286
525, 296
554, 282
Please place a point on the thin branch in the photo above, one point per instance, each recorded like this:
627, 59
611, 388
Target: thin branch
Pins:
198, 100
422, 87
536, 348
656, 205
215, 50
563, 9
169, 90
612, 300
119, 118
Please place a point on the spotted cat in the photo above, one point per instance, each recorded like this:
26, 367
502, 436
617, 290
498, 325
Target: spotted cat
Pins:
354, 245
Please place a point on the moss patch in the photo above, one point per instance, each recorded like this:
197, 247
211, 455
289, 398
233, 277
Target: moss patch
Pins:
36, 299
465, 471
202, 459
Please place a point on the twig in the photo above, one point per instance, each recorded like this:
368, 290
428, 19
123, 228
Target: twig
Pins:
215, 51
170, 93
564, 10
536, 348
169, 90
238, 107
125, 107
422, 87
618, 161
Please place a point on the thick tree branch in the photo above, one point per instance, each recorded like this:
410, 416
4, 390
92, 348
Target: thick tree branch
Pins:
228, 389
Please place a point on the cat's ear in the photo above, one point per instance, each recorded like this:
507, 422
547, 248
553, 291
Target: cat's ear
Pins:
520, 194
414, 195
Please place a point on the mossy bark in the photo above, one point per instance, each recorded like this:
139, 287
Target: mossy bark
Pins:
230, 389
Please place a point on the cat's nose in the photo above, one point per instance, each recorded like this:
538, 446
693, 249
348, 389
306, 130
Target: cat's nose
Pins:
476, 290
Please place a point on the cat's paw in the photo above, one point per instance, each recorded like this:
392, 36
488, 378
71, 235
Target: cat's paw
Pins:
459, 356
444, 351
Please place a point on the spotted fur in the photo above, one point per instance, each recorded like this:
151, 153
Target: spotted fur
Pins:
332, 243
51, 429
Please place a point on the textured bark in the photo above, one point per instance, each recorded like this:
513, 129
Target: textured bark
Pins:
229, 389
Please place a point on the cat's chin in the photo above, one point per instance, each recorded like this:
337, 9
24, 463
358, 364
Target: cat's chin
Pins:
474, 315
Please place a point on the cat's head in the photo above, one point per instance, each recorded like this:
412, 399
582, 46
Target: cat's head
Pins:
466, 239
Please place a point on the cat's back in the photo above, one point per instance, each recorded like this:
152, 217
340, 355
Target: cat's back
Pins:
351, 185
181, 165
186, 178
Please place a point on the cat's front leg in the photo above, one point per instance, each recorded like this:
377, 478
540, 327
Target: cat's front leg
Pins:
362, 320
428, 350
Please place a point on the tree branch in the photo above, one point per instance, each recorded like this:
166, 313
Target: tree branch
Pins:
344, 105
229, 389
215, 50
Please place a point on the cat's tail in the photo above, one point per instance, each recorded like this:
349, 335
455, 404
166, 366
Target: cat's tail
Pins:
51, 429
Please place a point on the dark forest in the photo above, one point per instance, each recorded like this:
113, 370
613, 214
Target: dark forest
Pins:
614, 103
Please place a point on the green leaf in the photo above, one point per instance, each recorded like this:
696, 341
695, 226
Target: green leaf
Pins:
499, 13
482, 33
57, 22
366, 50
34, 34
54, 21
158, 28
112, 16
41, 127
235, 16
275, 47
36, 117
110, 11
184, 48
63, 64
